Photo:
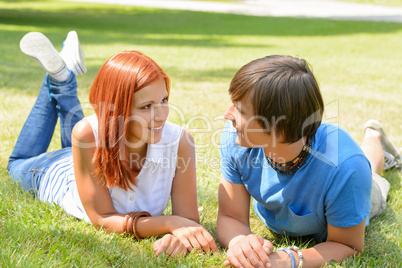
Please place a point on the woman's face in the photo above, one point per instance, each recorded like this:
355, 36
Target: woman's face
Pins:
148, 114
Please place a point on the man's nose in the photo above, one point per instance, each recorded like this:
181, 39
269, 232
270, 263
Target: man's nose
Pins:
230, 113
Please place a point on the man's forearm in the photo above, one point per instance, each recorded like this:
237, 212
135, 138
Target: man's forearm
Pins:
229, 228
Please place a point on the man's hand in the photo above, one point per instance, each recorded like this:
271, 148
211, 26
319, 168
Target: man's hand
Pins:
248, 252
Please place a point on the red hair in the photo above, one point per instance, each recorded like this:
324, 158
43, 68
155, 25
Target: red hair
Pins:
111, 96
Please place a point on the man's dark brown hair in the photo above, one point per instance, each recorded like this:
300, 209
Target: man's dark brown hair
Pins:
284, 93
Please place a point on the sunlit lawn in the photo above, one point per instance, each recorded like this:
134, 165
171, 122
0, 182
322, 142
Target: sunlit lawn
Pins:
358, 65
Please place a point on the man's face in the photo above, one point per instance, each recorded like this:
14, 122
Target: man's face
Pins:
250, 133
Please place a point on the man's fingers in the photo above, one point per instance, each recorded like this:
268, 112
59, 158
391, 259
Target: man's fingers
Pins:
252, 257
268, 247
250, 251
233, 260
259, 251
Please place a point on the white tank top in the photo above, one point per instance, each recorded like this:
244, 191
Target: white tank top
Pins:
154, 182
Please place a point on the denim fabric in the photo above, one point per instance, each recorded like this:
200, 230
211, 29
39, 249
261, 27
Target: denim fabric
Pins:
29, 159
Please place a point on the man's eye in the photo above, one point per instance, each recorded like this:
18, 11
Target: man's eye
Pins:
240, 111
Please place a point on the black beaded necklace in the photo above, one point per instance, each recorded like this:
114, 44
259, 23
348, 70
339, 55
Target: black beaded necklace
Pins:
292, 166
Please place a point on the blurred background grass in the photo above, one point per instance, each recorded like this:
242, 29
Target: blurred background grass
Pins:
376, 2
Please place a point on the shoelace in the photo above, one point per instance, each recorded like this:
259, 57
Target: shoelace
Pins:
389, 161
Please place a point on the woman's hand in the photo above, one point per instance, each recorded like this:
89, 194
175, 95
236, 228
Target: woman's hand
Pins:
187, 235
171, 245
249, 251
192, 235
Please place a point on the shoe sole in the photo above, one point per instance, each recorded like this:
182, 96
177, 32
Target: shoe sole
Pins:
37, 46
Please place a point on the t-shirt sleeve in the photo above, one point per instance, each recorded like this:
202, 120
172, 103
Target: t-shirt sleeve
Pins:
347, 202
229, 169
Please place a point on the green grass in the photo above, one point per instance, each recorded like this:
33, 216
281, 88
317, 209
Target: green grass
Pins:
356, 63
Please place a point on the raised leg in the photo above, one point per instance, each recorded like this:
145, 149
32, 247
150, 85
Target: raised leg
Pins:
38, 129
68, 107
390, 155
372, 148
57, 98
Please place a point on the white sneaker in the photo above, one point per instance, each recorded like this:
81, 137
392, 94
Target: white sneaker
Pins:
73, 55
392, 156
37, 46
389, 161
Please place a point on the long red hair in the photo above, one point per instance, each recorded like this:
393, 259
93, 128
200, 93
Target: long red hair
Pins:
111, 96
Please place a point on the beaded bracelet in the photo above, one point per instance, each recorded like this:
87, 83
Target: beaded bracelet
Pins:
290, 255
299, 252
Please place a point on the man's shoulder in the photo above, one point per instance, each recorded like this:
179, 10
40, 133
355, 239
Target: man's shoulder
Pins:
334, 145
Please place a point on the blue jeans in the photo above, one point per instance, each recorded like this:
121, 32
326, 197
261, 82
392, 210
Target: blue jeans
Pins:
29, 159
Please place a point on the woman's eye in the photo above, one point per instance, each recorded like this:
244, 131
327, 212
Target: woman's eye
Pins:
165, 100
146, 107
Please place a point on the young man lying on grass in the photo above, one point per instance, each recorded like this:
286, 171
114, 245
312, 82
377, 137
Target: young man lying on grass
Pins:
306, 178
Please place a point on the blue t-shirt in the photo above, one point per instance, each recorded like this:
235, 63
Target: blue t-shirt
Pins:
332, 187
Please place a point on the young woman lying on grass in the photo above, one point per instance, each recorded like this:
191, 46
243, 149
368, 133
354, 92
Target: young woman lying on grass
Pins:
117, 168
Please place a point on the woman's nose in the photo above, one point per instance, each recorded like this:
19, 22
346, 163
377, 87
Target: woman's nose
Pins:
161, 112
